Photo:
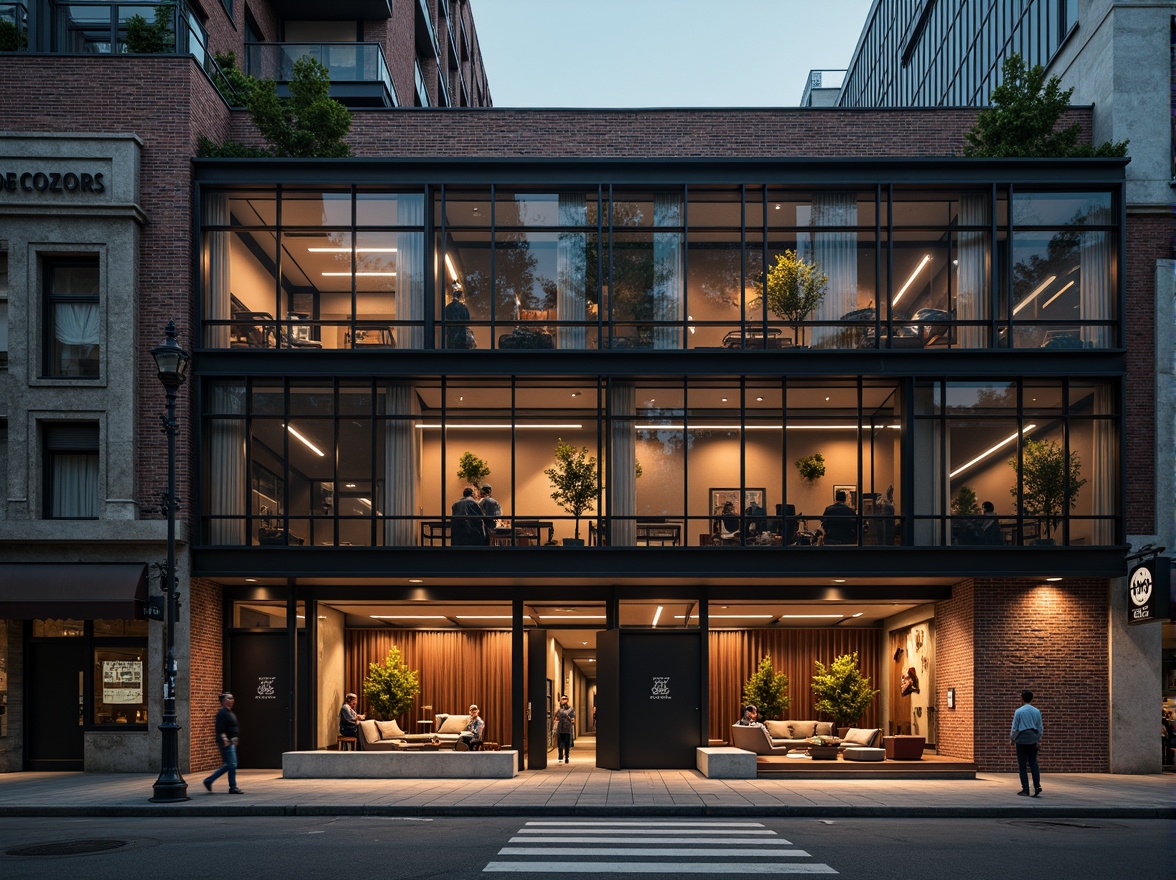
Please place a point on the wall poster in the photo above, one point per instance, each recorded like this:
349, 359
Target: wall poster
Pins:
122, 681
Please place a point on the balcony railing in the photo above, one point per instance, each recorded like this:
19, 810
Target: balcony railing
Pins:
359, 73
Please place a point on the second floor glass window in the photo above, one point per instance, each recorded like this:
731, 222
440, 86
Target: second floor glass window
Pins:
71, 471
72, 318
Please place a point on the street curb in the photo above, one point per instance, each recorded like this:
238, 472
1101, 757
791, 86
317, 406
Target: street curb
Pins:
187, 810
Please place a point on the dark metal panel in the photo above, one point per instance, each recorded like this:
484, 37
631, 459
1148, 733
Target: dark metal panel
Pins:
83, 592
660, 699
538, 721
608, 699
338, 10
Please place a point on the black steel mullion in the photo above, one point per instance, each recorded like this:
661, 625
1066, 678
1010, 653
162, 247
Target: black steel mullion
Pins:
493, 261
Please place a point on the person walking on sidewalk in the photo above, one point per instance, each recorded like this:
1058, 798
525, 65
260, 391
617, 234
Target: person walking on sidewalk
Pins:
565, 729
1025, 735
227, 733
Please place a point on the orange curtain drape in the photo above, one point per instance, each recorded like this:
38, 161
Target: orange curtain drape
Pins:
735, 656
454, 668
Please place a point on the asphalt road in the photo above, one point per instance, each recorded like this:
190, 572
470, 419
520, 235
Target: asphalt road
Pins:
453, 848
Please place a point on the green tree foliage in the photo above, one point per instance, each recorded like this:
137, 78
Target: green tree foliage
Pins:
1050, 483
767, 690
307, 125
842, 692
573, 480
11, 38
1023, 120
472, 470
390, 687
152, 38
794, 287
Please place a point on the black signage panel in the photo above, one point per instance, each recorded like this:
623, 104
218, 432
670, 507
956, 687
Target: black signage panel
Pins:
661, 699
1148, 591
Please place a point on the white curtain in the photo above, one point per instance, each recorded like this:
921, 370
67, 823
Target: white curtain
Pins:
571, 277
75, 485
1095, 280
226, 466
76, 323
972, 274
836, 255
401, 453
217, 304
667, 270
622, 474
410, 272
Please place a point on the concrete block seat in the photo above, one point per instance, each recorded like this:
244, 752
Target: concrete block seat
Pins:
408, 763
725, 762
861, 753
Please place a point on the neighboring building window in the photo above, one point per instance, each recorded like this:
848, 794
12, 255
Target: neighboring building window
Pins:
71, 318
3, 305
71, 470
228, 5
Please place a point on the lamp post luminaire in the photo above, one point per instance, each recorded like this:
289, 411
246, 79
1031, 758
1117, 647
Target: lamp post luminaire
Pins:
171, 362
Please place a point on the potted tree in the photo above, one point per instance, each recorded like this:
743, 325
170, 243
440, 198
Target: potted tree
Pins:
793, 288
573, 482
390, 687
1049, 481
767, 690
842, 692
472, 470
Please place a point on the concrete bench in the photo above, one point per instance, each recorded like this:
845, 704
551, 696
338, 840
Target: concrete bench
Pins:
446, 764
725, 762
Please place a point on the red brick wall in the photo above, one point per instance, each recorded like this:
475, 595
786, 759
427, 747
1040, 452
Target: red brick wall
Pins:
1149, 238
993, 638
954, 668
206, 680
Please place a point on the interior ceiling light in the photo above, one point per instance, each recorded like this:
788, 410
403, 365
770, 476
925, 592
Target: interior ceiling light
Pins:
919, 268
301, 439
838, 580
345, 250
859, 614
704, 427
435, 425
449, 266
571, 617
987, 452
349, 485
250, 580
415, 581
759, 400
408, 617
811, 616
729, 616
358, 274
1044, 284
1065, 287
1053, 580
486, 617
657, 615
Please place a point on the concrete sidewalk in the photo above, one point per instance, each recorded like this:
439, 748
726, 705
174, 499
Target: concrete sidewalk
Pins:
581, 789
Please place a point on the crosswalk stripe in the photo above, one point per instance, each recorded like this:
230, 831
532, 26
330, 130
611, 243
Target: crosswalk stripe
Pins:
646, 831
566, 867
642, 851
726, 841
658, 824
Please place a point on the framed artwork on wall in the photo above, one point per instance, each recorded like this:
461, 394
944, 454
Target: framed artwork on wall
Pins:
741, 499
851, 494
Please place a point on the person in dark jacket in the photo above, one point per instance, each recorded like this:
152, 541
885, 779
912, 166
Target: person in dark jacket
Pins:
839, 521
227, 733
457, 319
469, 525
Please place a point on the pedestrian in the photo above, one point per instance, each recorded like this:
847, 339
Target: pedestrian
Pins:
565, 729
750, 717
469, 526
227, 734
1025, 736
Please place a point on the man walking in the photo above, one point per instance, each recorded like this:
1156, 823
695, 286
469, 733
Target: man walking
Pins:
227, 733
1025, 735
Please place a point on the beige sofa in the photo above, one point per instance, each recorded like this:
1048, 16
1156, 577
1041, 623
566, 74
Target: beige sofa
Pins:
385, 736
779, 737
792, 734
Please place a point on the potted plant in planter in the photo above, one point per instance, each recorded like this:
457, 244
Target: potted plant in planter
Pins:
793, 288
811, 467
1050, 481
767, 690
390, 687
472, 470
573, 482
842, 692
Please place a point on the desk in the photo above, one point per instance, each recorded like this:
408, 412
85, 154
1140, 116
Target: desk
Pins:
659, 534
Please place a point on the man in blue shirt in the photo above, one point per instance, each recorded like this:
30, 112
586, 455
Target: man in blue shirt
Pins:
1025, 735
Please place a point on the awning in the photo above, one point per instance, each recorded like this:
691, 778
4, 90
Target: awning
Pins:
81, 592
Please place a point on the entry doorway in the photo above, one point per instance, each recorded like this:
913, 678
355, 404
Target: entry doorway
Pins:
55, 697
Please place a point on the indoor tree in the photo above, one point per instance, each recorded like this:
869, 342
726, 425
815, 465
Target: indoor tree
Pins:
793, 288
1049, 481
767, 690
472, 470
842, 692
573, 480
390, 687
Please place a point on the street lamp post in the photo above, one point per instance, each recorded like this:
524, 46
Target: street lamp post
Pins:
171, 361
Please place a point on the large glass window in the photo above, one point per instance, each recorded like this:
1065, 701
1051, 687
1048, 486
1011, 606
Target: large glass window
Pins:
72, 317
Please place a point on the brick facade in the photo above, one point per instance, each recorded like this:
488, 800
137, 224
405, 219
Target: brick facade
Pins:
206, 680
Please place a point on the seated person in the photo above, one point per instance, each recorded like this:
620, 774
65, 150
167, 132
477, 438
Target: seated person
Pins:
757, 519
839, 522
750, 717
785, 524
727, 525
348, 719
472, 735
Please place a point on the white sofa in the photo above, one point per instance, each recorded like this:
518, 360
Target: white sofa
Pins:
386, 736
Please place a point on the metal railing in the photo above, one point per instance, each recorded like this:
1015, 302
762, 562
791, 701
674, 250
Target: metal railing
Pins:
347, 63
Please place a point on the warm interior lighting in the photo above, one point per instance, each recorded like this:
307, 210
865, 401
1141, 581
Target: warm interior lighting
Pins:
489, 617
987, 452
1066, 287
1044, 284
415, 581
1053, 580
859, 614
449, 267
811, 616
366, 501
408, 617
358, 274
728, 616
703, 427
571, 617
919, 268
432, 425
305, 442
657, 615
346, 250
